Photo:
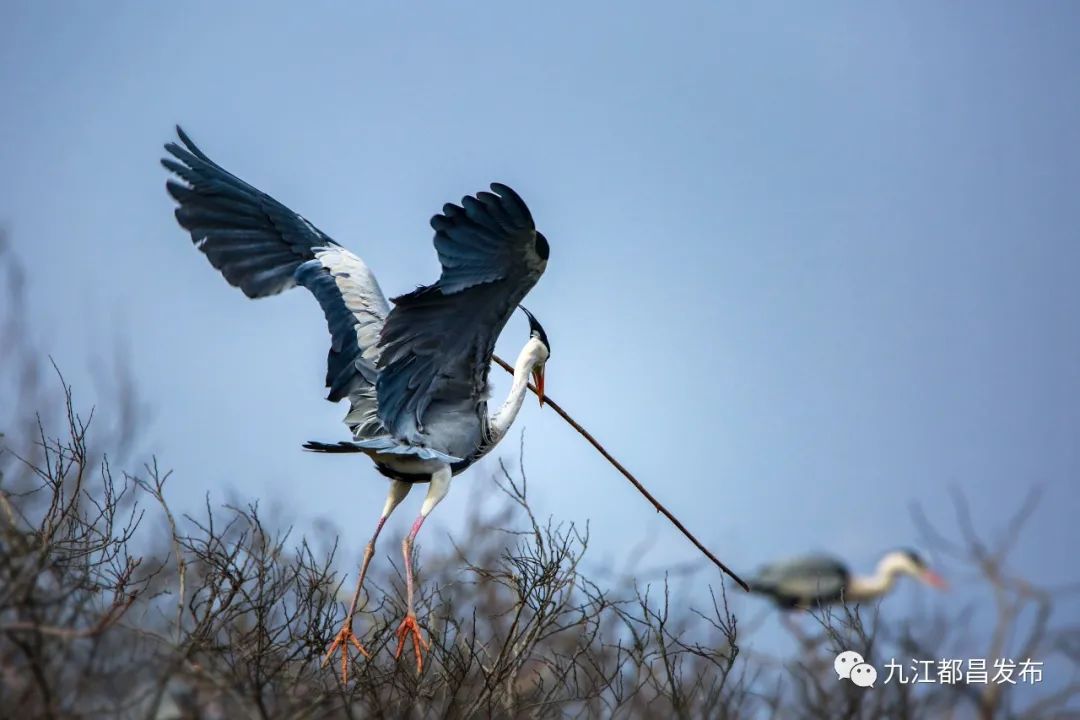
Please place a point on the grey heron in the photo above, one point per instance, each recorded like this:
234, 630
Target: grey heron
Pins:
415, 375
813, 580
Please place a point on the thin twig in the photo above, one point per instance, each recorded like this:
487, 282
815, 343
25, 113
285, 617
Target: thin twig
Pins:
633, 480
114, 613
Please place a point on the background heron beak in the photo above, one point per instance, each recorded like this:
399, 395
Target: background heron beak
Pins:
538, 381
932, 579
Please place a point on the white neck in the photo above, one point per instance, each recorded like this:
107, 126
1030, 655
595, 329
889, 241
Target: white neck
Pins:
531, 355
876, 585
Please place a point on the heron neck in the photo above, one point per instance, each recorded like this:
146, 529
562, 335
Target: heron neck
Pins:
504, 417
866, 588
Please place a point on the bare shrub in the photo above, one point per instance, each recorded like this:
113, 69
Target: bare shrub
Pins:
114, 605
220, 616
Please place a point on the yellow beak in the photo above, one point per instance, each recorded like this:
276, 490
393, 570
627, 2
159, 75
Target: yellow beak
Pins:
538, 381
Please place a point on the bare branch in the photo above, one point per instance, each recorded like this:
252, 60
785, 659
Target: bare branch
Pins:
633, 480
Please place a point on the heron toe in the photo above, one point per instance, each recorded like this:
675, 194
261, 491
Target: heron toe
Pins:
411, 628
343, 639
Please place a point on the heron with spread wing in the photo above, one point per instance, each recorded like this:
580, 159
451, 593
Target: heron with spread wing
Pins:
416, 374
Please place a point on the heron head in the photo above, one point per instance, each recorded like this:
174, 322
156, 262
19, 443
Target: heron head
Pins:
914, 564
536, 332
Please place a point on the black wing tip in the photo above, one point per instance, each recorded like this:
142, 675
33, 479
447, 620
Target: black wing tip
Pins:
186, 139
513, 202
189, 146
503, 190
176, 152
176, 190
445, 219
505, 196
171, 145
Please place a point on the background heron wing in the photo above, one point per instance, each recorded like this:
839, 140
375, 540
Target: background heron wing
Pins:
263, 247
812, 576
437, 342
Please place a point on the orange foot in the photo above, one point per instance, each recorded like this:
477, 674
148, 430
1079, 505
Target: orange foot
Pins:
342, 639
409, 626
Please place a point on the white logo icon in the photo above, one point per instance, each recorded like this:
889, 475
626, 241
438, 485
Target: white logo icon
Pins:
845, 661
850, 665
864, 675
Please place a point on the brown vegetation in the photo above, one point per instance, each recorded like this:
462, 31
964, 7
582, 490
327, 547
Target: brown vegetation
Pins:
113, 605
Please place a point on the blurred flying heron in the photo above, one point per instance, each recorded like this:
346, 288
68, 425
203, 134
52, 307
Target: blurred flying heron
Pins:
816, 580
415, 375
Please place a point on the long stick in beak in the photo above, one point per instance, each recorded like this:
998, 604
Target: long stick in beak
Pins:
626, 473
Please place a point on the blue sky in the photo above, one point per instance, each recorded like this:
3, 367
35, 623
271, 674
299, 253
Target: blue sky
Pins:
809, 263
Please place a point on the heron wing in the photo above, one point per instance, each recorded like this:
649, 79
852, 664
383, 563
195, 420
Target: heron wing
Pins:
809, 578
263, 247
355, 310
437, 342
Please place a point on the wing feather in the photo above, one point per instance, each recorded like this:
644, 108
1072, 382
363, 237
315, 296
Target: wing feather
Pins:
436, 345
804, 579
263, 247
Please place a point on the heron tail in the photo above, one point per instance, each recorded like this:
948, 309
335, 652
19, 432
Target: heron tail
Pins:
338, 447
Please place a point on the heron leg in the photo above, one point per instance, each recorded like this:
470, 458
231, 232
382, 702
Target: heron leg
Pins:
410, 628
345, 636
